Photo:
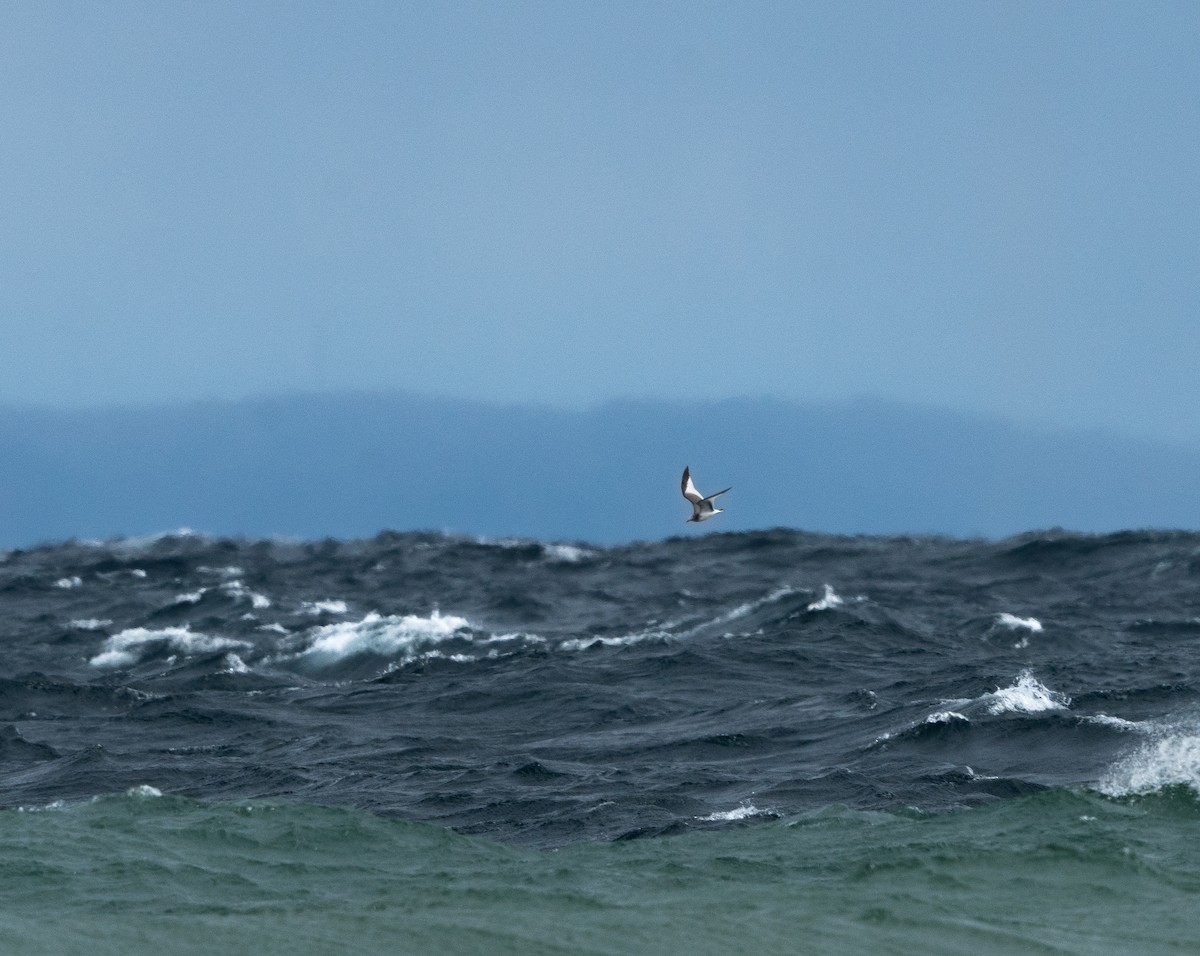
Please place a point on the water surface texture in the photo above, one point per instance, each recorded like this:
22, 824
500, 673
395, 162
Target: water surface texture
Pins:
721, 743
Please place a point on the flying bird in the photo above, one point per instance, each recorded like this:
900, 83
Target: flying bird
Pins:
702, 507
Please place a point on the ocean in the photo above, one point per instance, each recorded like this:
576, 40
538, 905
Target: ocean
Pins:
753, 742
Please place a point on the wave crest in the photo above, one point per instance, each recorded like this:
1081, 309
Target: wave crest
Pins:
384, 636
131, 645
1171, 758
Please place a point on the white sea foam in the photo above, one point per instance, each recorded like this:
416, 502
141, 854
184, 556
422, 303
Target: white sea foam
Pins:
743, 609
1117, 723
570, 553
233, 589
386, 636
55, 805
1026, 696
439, 656
317, 608
830, 600
67, 583
90, 624
555, 552
1014, 623
235, 665
228, 572
143, 792
274, 627
940, 717
741, 812
1030, 625
665, 631
239, 591
127, 647
946, 717
1171, 757
583, 643
487, 542
520, 637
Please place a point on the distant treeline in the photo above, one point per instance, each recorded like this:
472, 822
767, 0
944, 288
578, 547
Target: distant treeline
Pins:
351, 465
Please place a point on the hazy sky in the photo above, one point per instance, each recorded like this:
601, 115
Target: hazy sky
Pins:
990, 206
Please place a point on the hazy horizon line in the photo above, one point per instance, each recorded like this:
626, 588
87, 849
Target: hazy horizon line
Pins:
1044, 427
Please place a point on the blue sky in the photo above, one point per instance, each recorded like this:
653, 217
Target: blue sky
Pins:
987, 206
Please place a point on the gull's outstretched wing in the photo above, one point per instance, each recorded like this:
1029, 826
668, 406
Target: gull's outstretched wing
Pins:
709, 499
689, 489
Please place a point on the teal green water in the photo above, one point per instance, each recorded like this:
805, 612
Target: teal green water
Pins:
1058, 872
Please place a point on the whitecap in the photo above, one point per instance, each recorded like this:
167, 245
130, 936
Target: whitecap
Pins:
521, 637
127, 647
742, 811
235, 665
570, 553
376, 634
946, 717
1117, 723
583, 643
238, 591
1026, 696
830, 600
504, 543
317, 608
743, 609
143, 792
1030, 625
439, 656
1171, 758
68, 583
54, 805
1014, 623
90, 624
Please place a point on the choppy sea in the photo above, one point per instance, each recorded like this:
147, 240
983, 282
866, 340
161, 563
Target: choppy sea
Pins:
761, 742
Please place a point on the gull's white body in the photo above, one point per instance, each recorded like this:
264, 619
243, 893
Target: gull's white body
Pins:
702, 505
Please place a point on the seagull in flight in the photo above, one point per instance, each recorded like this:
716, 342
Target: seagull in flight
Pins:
702, 507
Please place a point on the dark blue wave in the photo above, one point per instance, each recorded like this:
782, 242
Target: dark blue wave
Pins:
548, 692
